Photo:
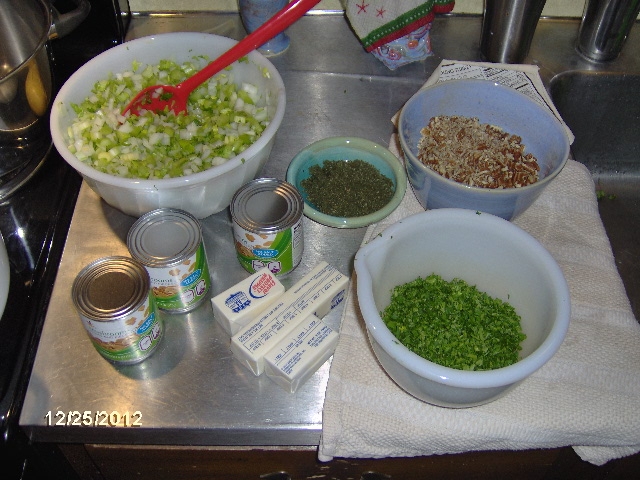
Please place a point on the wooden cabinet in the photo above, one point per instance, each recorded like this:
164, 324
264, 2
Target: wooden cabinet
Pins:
157, 462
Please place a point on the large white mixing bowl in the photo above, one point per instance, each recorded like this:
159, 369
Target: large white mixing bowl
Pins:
201, 194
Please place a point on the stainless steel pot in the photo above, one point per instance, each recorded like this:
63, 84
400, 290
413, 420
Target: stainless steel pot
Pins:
25, 77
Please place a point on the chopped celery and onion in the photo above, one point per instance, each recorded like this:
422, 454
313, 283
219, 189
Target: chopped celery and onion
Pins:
222, 121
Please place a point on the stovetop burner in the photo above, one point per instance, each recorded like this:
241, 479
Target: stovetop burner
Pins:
37, 201
34, 222
28, 159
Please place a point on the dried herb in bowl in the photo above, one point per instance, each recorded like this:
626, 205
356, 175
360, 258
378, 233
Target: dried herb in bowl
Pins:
454, 324
347, 188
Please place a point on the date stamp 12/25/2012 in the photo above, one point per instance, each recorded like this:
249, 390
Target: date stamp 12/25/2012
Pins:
87, 418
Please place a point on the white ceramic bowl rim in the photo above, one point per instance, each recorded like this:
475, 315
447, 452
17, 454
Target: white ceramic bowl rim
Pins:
460, 378
175, 182
461, 186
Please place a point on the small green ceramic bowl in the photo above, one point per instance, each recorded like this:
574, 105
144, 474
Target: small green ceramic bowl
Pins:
348, 148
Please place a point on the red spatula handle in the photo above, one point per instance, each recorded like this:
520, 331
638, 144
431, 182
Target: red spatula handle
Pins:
276, 24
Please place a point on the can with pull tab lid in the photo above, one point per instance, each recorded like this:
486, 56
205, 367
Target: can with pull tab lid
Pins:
267, 225
168, 242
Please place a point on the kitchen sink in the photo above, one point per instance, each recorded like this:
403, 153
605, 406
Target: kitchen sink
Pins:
603, 111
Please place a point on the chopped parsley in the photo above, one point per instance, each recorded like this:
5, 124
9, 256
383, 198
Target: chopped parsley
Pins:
347, 188
454, 324
602, 195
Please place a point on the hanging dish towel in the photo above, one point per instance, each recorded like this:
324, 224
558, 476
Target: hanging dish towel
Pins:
587, 396
396, 32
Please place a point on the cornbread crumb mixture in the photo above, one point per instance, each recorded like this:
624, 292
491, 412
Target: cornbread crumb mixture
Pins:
476, 154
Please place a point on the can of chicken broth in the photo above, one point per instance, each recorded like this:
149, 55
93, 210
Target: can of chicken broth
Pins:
113, 298
168, 242
267, 225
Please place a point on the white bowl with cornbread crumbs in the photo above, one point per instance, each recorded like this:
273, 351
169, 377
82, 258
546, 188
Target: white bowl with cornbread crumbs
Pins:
480, 145
460, 306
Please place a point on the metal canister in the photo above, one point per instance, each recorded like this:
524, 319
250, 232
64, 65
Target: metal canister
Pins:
168, 242
113, 298
267, 225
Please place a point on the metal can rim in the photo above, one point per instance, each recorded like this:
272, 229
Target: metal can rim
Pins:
142, 227
80, 290
286, 190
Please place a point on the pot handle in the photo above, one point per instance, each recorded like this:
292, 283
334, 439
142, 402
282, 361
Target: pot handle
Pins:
64, 23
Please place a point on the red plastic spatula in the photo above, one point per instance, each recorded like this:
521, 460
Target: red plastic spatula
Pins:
157, 98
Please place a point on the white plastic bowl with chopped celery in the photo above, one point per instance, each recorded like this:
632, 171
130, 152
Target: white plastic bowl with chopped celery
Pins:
196, 161
222, 120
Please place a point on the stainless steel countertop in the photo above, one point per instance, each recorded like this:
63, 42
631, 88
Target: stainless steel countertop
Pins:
192, 391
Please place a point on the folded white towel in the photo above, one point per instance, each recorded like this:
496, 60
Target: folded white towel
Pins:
587, 396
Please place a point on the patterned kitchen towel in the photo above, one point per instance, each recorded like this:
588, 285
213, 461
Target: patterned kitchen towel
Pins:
587, 396
395, 32
377, 22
